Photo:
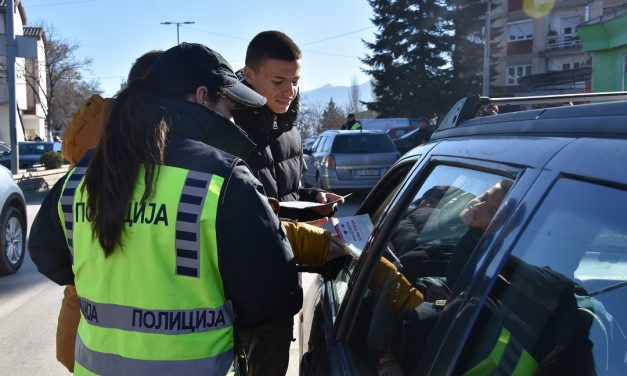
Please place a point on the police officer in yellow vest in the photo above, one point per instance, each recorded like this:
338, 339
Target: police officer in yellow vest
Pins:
170, 242
351, 123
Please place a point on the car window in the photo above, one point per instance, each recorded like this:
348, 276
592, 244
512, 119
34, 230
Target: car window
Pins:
34, 148
426, 251
562, 294
375, 208
316, 143
363, 143
326, 146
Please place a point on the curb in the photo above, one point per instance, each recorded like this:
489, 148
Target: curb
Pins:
39, 180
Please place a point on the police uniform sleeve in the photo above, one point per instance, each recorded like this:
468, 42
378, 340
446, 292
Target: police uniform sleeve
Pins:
256, 262
47, 244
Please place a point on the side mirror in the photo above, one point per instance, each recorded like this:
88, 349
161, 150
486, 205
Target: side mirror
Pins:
306, 151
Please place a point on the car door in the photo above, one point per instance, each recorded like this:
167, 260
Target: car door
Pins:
309, 177
378, 325
556, 282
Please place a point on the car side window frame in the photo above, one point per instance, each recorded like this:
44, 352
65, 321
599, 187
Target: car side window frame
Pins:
376, 249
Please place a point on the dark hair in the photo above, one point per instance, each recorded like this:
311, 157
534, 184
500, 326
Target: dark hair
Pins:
271, 44
135, 133
142, 64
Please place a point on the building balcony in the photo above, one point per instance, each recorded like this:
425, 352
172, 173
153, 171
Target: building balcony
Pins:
563, 42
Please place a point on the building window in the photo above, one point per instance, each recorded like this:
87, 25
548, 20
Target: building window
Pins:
569, 25
516, 72
520, 30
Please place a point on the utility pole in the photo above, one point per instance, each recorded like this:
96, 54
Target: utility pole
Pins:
178, 24
487, 39
11, 52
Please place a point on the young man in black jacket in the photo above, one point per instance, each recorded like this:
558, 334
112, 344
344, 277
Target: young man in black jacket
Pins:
273, 70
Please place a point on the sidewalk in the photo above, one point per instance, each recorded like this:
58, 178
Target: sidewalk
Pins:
39, 180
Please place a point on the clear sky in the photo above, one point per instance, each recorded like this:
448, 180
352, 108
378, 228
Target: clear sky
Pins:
115, 32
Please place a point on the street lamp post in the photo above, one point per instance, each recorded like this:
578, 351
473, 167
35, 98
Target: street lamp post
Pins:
178, 24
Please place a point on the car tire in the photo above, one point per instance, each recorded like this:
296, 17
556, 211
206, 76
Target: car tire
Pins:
12, 240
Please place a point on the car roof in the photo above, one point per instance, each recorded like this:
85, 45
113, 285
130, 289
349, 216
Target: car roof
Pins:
606, 120
345, 132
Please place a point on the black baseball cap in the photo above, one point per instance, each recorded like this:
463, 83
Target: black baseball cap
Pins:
190, 65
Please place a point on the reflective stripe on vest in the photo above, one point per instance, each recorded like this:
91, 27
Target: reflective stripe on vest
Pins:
156, 321
356, 126
188, 223
111, 364
67, 203
507, 357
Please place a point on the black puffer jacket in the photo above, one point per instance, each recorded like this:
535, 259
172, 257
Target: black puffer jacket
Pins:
256, 262
277, 161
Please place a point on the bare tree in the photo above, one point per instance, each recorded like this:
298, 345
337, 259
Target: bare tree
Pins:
63, 89
354, 106
309, 118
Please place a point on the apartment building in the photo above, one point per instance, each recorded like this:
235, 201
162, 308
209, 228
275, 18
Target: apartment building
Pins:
540, 51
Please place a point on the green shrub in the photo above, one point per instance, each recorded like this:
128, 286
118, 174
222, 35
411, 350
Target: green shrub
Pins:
51, 160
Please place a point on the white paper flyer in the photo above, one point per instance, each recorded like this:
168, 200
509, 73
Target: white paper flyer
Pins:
355, 230
309, 204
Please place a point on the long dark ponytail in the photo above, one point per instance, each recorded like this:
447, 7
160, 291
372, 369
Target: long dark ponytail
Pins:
135, 133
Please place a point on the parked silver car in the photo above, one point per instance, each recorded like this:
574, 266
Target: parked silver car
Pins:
12, 224
348, 159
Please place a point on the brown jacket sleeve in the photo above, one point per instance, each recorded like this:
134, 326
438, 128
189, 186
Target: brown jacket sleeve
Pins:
310, 244
398, 290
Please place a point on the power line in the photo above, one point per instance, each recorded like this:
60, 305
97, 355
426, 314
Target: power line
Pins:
214, 33
64, 3
331, 54
337, 36
164, 14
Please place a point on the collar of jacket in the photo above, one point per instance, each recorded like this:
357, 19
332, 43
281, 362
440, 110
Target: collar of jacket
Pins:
199, 123
262, 119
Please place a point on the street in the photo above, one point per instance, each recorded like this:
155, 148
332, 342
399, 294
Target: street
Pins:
29, 307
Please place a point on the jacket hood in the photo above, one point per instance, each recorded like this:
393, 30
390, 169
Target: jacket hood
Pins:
262, 119
199, 123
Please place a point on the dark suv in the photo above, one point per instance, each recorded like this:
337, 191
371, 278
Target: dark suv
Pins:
499, 247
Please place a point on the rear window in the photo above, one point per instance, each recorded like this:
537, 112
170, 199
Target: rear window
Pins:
363, 143
34, 148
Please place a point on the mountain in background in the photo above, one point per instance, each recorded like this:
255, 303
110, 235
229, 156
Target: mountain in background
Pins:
340, 95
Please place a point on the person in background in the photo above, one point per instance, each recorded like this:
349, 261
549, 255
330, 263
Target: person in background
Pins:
272, 69
83, 133
426, 130
84, 130
351, 124
489, 110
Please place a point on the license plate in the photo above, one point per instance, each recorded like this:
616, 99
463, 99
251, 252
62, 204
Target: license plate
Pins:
367, 172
